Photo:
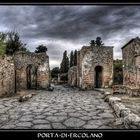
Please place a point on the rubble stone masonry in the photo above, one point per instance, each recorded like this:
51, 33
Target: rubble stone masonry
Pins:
24, 70
7, 76
39, 64
131, 65
72, 76
95, 67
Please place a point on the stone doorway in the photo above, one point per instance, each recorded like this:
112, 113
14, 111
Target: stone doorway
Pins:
31, 72
98, 76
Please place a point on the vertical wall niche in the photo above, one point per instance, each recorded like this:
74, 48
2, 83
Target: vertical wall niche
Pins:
98, 76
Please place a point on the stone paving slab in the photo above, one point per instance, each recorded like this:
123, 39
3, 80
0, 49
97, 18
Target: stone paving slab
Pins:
64, 108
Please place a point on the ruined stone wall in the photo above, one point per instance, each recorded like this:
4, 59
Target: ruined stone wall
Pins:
131, 64
78, 71
72, 76
43, 74
89, 58
7, 76
40, 61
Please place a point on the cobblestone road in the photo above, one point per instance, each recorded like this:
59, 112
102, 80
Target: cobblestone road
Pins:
64, 108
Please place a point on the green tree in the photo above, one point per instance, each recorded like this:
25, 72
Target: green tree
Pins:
75, 58
2, 43
118, 72
41, 49
98, 41
71, 59
64, 66
14, 44
2, 37
54, 72
2, 48
92, 43
64, 77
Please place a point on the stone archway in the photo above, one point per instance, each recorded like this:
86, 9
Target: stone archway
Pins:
31, 72
98, 76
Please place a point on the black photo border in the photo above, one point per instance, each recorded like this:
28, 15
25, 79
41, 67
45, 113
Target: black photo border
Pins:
36, 134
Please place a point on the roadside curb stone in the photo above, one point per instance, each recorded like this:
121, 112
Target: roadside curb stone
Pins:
127, 118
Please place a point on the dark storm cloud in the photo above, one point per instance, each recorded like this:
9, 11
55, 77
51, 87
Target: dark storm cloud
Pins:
69, 22
68, 27
74, 22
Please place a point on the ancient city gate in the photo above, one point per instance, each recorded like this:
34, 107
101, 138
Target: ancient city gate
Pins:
98, 76
31, 72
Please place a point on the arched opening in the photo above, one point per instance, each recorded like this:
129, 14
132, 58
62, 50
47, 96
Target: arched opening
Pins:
98, 76
31, 72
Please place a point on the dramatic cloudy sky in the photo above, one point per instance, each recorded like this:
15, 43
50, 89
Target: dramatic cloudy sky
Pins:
64, 27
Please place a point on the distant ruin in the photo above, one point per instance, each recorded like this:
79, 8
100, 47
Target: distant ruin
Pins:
94, 67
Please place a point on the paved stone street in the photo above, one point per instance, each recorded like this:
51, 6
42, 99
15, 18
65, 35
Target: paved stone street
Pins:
64, 108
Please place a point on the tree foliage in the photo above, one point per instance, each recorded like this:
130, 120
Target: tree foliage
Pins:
75, 58
54, 72
92, 43
2, 37
41, 49
10, 43
13, 43
64, 66
71, 59
2, 48
97, 42
118, 72
64, 77
2, 43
